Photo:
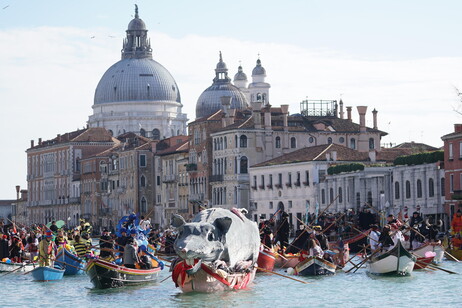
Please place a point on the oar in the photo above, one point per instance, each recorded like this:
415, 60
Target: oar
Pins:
363, 261
67, 264
328, 227
13, 271
451, 256
169, 276
275, 252
268, 271
431, 266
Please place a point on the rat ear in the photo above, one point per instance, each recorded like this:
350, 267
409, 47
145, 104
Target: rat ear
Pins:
223, 224
177, 221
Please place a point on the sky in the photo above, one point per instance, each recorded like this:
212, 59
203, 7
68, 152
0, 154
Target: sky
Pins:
402, 58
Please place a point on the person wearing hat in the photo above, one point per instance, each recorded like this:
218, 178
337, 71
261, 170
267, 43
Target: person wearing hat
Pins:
47, 250
106, 244
121, 241
414, 223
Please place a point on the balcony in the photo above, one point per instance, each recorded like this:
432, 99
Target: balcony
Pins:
278, 186
306, 183
254, 187
297, 183
216, 178
457, 195
262, 187
269, 186
170, 178
288, 184
191, 167
196, 197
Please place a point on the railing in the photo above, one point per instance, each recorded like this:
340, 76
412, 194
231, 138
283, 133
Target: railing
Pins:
196, 197
169, 178
74, 200
216, 178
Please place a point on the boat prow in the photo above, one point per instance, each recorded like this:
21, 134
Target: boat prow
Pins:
396, 261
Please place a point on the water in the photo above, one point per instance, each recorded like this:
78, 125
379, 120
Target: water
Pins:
422, 289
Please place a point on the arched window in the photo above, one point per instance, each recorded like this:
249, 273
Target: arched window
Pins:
110, 132
244, 165
293, 143
442, 187
323, 196
225, 143
235, 141
419, 189
142, 132
214, 144
371, 144
329, 140
278, 142
369, 197
220, 144
259, 97
331, 194
353, 143
408, 190
143, 203
431, 188
243, 141
396, 190
340, 195
143, 181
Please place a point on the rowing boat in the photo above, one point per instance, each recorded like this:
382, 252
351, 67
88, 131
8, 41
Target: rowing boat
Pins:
314, 266
46, 273
104, 274
396, 261
430, 247
289, 260
457, 253
16, 267
209, 280
73, 264
266, 259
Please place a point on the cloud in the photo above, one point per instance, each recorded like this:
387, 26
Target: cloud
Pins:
49, 76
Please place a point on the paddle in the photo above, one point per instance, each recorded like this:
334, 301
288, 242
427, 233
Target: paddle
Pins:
268, 271
275, 252
451, 256
67, 264
447, 253
169, 276
363, 261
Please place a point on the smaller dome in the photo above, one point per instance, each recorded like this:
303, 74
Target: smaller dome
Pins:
136, 24
240, 75
259, 70
221, 65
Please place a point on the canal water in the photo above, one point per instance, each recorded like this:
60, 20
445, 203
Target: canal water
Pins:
421, 289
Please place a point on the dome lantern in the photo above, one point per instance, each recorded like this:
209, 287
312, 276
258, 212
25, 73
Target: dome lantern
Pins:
136, 45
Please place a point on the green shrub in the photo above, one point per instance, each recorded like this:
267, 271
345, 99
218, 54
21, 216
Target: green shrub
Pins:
345, 168
419, 158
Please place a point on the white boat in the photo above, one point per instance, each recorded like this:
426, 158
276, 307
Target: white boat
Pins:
396, 261
432, 247
18, 267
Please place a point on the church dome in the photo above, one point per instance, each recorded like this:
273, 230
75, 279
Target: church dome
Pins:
259, 70
210, 100
137, 24
134, 79
240, 75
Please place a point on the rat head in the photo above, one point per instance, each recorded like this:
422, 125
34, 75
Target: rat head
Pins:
201, 240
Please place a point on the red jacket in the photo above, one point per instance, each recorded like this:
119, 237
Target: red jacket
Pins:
456, 223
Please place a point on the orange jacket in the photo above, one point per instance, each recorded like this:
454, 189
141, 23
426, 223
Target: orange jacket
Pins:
456, 223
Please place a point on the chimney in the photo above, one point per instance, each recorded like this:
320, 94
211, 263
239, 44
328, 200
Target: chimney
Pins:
333, 155
458, 128
226, 103
372, 156
32, 143
362, 118
285, 116
267, 116
59, 137
374, 117
40, 141
341, 109
256, 113
349, 113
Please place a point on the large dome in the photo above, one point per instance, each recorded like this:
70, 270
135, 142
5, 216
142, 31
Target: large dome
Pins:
210, 100
136, 80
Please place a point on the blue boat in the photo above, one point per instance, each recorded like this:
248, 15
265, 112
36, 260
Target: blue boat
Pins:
45, 273
72, 264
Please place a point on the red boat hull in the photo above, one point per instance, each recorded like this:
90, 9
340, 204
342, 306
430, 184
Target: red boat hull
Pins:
266, 260
423, 263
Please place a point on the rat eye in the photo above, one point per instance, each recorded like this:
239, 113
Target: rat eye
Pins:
211, 237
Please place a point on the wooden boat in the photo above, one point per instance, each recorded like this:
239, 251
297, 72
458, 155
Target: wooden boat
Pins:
430, 247
46, 273
314, 266
422, 263
73, 264
266, 259
208, 280
104, 274
16, 267
291, 260
396, 261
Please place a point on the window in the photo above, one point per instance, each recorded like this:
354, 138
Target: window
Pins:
323, 196
142, 160
142, 132
408, 190
197, 137
255, 181
371, 144
143, 181
419, 189
263, 181
451, 183
442, 187
307, 178
143, 208
431, 188
451, 154
271, 180
289, 177
290, 204
341, 140
155, 134
396, 190
278, 142
353, 143
340, 195
244, 165
329, 140
311, 139
243, 141
331, 195
369, 197
293, 143
158, 180
280, 179
271, 205
358, 199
